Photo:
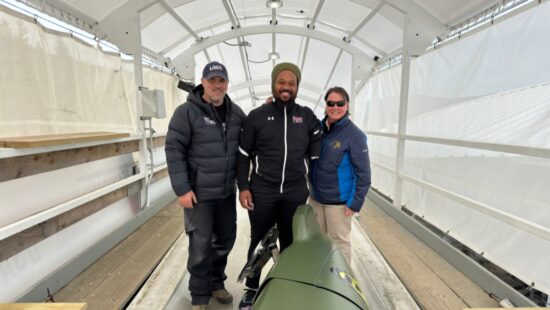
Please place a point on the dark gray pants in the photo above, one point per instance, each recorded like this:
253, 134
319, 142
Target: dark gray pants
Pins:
212, 227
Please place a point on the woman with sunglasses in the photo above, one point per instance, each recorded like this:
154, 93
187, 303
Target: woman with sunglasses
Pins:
341, 177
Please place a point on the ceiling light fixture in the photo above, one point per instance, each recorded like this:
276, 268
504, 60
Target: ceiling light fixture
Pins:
274, 56
274, 4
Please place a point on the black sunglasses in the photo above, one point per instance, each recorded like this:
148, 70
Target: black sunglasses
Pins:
338, 103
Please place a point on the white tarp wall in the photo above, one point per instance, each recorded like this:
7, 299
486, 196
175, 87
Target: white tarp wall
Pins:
491, 91
378, 109
54, 83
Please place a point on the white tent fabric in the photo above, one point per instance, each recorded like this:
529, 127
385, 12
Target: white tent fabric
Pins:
490, 87
59, 84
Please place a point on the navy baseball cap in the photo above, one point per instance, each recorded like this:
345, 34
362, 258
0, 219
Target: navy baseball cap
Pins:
214, 69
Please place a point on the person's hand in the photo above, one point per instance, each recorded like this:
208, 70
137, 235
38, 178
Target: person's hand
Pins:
187, 200
245, 197
349, 212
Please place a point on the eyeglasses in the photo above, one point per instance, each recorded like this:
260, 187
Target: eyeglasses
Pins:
338, 103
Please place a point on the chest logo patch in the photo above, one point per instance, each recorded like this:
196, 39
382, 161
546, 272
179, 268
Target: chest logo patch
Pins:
208, 121
271, 118
297, 119
337, 145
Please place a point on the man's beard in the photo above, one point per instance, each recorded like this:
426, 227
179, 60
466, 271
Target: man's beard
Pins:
290, 95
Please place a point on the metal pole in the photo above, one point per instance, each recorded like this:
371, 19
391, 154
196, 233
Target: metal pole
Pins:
402, 123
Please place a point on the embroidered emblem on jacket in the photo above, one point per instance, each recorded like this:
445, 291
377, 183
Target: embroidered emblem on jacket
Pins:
297, 119
271, 118
208, 121
337, 145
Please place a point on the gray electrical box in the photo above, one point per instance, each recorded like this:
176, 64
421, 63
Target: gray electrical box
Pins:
152, 102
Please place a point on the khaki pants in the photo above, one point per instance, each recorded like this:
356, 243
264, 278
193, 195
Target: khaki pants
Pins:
335, 224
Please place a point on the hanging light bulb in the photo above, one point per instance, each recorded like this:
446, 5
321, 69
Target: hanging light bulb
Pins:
274, 56
274, 4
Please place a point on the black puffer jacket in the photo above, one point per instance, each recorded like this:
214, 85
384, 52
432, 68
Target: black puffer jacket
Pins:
201, 154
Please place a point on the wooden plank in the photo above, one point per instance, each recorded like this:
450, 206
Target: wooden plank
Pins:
28, 237
159, 141
460, 284
86, 286
159, 175
381, 286
425, 286
66, 138
81, 287
161, 285
124, 282
22, 166
44, 306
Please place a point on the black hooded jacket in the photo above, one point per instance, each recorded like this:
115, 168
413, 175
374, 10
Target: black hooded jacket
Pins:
200, 152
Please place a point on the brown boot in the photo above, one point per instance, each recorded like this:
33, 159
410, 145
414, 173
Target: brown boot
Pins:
199, 307
222, 296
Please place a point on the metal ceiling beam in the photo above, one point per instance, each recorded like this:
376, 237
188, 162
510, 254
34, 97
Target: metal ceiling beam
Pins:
273, 35
242, 51
424, 23
178, 18
218, 47
363, 65
311, 26
184, 24
304, 54
185, 38
64, 12
232, 18
422, 26
330, 77
316, 14
283, 29
273, 47
371, 46
244, 85
268, 94
365, 20
244, 62
273, 16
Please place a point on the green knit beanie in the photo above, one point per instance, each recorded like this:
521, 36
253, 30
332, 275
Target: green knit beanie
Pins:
284, 66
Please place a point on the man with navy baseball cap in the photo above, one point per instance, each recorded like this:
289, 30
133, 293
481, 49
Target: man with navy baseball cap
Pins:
201, 152
214, 69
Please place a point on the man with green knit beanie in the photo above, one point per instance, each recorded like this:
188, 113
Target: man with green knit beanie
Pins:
285, 66
279, 139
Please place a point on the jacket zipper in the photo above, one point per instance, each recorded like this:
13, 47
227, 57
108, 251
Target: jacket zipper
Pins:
223, 132
284, 159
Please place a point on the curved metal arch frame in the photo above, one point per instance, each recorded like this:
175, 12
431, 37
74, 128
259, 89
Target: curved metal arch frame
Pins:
258, 82
362, 63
